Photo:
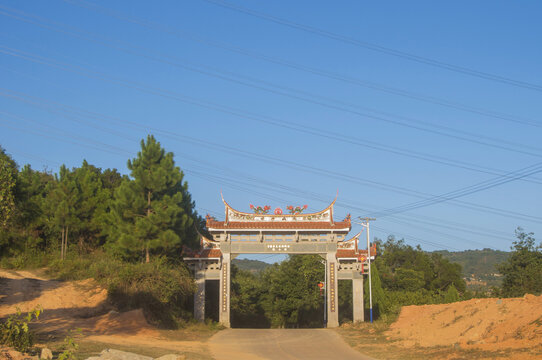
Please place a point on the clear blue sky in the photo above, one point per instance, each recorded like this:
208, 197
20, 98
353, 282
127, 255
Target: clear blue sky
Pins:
387, 102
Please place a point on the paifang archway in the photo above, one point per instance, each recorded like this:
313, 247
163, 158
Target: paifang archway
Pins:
261, 233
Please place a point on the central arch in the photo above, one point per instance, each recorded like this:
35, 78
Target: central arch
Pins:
264, 233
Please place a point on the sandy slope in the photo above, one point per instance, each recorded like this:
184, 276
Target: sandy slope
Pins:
81, 304
488, 324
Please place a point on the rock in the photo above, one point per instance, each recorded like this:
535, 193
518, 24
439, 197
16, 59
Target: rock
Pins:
499, 301
172, 357
7, 353
112, 354
46, 354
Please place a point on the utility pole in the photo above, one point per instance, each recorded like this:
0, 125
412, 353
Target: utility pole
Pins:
365, 224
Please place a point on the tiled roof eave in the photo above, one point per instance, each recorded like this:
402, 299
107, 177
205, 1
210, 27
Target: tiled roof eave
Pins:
335, 226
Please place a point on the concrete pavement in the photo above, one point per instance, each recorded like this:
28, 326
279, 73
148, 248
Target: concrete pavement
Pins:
281, 344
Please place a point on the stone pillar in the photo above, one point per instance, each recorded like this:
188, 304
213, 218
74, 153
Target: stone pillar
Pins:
224, 301
332, 289
199, 296
357, 299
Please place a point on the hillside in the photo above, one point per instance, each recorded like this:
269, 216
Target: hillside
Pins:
479, 266
253, 266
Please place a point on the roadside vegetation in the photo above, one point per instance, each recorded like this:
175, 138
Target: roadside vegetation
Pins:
127, 232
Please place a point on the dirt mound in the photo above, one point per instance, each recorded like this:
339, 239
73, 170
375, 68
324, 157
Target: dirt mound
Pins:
482, 323
24, 290
130, 322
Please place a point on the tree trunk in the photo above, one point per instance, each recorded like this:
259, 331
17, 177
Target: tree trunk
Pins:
62, 245
66, 243
147, 257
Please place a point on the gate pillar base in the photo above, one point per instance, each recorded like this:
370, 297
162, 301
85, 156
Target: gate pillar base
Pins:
357, 300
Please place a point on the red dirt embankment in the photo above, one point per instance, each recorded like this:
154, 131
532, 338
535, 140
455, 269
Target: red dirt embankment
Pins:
66, 305
488, 324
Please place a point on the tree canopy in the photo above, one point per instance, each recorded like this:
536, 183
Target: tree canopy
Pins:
152, 211
523, 270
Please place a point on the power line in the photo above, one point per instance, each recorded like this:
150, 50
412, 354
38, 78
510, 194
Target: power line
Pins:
488, 184
287, 63
379, 48
232, 111
222, 181
306, 97
332, 174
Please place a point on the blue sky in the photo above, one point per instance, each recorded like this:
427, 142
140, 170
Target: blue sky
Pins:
271, 114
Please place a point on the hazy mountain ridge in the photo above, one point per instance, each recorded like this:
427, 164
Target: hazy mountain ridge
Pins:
479, 266
250, 265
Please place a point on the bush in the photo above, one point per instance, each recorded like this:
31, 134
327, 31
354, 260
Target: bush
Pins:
15, 331
162, 289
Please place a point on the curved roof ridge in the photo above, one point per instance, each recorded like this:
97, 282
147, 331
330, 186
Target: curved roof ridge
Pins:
330, 206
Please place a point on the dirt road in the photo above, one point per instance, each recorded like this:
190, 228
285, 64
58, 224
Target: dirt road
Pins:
281, 344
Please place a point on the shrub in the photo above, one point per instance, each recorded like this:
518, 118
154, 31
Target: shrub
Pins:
15, 331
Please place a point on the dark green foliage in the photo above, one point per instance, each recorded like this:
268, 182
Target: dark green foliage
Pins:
291, 297
15, 330
8, 173
451, 295
381, 303
344, 292
523, 270
153, 212
246, 292
163, 290
404, 268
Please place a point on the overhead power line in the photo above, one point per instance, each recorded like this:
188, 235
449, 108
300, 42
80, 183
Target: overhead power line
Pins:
65, 136
484, 185
241, 182
239, 113
292, 191
297, 66
379, 48
312, 169
334, 104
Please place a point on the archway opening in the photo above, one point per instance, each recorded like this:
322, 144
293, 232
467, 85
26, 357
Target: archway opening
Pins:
280, 295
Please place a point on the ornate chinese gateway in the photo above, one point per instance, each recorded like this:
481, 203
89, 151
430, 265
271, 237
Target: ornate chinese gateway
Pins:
293, 233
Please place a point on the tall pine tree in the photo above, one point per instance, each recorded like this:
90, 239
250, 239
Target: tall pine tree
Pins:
153, 211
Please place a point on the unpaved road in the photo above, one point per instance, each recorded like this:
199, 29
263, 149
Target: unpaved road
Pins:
281, 344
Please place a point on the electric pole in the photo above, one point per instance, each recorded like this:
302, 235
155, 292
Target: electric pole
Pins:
365, 224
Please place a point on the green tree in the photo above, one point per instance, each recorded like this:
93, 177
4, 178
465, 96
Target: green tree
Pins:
380, 300
93, 201
293, 298
451, 295
523, 270
246, 295
153, 210
8, 174
62, 199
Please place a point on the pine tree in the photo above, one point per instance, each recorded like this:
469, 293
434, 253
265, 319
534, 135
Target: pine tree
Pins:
8, 173
61, 205
153, 210
380, 301
91, 207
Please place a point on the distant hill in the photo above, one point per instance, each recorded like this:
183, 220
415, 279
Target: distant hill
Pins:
478, 266
250, 265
